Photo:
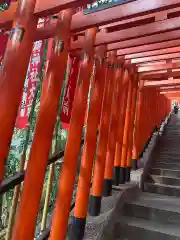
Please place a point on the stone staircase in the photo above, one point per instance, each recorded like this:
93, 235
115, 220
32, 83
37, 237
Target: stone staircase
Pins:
155, 215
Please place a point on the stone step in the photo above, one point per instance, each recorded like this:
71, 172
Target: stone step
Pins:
94, 225
172, 166
170, 137
175, 154
166, 155
168, 159
162, 189
140, 229
170, 150
173, 145
164, 180
165, 172
154, 207
170, 134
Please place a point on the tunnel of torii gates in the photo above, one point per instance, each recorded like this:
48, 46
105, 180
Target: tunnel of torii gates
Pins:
135, 50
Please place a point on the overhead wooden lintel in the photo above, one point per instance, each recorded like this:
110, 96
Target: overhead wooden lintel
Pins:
139, 53
154, 76
132, 9
122, 35
162, 82
156, 58
158, 67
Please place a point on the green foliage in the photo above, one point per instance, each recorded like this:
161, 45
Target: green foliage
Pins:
4, 7
22, 141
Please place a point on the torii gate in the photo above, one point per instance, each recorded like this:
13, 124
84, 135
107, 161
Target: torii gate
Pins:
139, 47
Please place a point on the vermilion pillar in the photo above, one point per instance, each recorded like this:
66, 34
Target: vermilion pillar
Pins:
131, 127
84, 182
112, 136
136, 138
142, 123
68, 172
120, 126
126, 131
12, 76
41, 145
97, 186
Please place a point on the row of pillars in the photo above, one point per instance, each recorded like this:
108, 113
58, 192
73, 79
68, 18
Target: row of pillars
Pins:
121, 111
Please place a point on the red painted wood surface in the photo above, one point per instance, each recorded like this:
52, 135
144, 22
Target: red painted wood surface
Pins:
162, 82
132, 9
41, 146
132, 119
162, 29
98, 176
160, 76
96, 99
156, 58
12, 76
165, 50
113, 134
158, 67
121, 120
146, 47
68, 172
127, 123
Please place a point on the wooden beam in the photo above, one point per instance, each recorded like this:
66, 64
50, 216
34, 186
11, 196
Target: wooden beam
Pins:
159, 76
136, 32
172, 87
125, 46
158, 67
172, 95
163, 87
140, 20
80, 22
162, 82
122, 35
163, 51
155, 42
43, 8
156, 16
156, 58
142, 42
132, 9
170, 91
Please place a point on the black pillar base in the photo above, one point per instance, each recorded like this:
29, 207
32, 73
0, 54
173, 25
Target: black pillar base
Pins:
94, 205
107, 188
128, 174
77, 228
122, 178
116, 175
134, 164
